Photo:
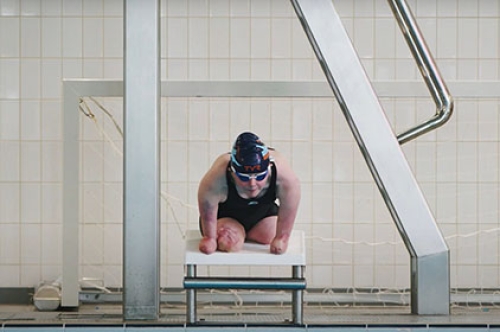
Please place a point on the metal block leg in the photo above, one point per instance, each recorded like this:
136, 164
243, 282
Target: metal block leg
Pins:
191, 296
297, 296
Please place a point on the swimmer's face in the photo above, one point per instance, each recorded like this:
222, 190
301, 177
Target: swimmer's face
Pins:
251, 184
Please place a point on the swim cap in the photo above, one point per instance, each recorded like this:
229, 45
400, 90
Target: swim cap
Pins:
249, 154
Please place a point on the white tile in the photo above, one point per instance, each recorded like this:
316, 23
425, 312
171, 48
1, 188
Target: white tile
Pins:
51, 7
467, 162
199, 37
364, 275
321, 275
219, 70
198, 116
30, 203
426, 162
240, 8
487, 168
113, 69
30, 161
177, 8
10, 37
447, 8
72, 38
343, 206
281, 120
260, 8
177, 157
113, 203
9, 8
113, 41
10, 78
281, 38
300, 46
113, 244
343, 247
92, 206
9, 120
52, 247
488, 69
10, 161
239, 35
30, 120
72, 68
93, 32
281, 70
9, 203
468, 7
11, 275
113, 8
93, 8
93, 244
30, 78
219, 7
487, 276
343, 276
30, 244
198, 70
52, 204
487, 243
51, 120
72, 8
447, 35
30, 274
52, 162
30, 8
487, 39
467, 29
488, 8
488, 204
198, 157
113, 276
30, 37
240, 69
51, 45
113, 161
301, 120
446, 163
260, 38
10, 244
446, 212
466, 276
385, 36
51, 79
177, 38
467, 121
92, 68
260, 70
92, 161
466, 204
322, 210
364, 37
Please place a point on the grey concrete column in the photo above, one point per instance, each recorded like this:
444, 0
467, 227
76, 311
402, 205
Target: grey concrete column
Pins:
141, 226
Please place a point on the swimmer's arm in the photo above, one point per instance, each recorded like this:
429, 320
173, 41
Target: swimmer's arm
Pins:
209, 196
289, 197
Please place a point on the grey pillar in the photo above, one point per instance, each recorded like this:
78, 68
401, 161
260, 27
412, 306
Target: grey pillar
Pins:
141, 200
382, 152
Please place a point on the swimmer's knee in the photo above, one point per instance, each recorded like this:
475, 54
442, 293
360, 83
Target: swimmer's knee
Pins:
229, 240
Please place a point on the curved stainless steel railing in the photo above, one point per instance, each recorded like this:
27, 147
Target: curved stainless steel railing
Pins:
428, 69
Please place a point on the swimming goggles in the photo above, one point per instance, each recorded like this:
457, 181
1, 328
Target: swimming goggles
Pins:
247, 177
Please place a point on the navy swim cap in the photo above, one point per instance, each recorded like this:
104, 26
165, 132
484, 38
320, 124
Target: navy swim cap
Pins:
249, 154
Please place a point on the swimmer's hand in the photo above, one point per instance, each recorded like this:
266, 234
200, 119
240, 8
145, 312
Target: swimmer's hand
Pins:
207, 245
279, 245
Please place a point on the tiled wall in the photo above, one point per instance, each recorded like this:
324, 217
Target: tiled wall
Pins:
352, 241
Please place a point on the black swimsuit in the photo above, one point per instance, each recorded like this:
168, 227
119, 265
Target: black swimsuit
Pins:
249, 212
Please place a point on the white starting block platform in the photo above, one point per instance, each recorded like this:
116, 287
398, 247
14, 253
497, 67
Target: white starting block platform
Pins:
252, 254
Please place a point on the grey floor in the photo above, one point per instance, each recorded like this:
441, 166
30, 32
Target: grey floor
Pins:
93, 317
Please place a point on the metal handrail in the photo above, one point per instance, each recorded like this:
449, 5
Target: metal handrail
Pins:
428, 69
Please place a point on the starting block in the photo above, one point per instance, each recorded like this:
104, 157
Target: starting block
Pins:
252, 254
